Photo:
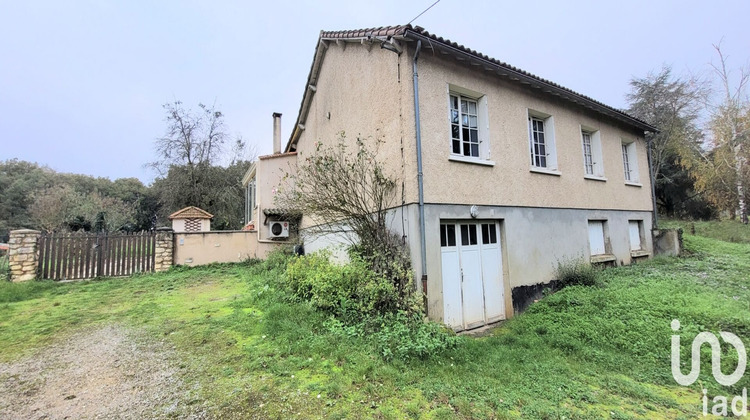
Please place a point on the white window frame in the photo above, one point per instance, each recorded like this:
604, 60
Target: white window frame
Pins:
482, 126
251, 200
596, 165
630, 163
550, 150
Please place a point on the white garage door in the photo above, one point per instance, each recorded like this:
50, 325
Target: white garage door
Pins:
473, 293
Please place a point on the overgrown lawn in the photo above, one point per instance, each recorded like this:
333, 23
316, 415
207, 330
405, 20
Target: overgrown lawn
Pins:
584, 352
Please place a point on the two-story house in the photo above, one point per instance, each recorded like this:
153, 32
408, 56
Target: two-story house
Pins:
504, 174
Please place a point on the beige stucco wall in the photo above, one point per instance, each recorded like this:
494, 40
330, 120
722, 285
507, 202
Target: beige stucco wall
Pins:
510, 181
370, 93
367, 93
269, 179
218, 246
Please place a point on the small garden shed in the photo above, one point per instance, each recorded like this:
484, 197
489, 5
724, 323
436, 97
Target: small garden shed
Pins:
191, 219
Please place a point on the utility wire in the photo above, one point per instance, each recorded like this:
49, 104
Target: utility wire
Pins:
425, 11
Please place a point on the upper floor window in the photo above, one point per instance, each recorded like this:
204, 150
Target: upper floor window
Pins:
469, 126
592, 154
588, 155
542, 141
464, 126
630, 162
538, 142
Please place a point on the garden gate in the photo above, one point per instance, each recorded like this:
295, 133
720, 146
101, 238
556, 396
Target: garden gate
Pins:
69, 256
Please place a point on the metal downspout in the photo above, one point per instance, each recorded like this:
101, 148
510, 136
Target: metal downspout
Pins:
655, 224
420, 185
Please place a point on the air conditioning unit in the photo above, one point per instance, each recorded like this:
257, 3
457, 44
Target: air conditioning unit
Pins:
278, 229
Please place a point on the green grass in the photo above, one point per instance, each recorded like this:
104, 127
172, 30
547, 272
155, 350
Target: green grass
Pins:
724, 230
4, 268
584, 352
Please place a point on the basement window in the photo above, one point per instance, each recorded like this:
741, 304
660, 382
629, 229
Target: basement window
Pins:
599, 242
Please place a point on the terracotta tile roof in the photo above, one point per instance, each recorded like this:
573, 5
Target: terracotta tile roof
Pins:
433, 41
383, 31
276, 155
424, 33
191, 212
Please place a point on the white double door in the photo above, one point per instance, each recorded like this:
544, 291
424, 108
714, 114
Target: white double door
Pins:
473, 292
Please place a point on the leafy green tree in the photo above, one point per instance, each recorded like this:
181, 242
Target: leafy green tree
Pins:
18, 182
216, 189
673, 105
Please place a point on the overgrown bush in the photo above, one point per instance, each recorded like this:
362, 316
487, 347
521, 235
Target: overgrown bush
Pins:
367, 305
576, 272
278, 259
351, 292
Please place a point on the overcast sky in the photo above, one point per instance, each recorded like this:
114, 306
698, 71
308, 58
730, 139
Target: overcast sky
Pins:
82, 83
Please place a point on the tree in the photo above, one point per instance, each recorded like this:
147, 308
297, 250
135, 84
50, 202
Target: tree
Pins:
62, 208
673, 105
52, 208
19, 180
344, 189
340, 189
722, 171
215, 189
192, 138
188, 161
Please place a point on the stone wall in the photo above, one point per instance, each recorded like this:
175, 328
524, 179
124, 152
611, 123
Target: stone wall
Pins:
23, 254
164, 249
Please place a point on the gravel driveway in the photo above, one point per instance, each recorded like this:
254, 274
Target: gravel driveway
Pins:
106, 372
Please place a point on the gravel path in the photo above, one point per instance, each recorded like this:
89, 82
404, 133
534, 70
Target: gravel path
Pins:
109, 372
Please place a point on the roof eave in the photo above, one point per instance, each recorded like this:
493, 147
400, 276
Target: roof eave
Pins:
538, 83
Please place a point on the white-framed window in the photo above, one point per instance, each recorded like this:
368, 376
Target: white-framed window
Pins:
250, 200
588, 153
542, 141
592, 153
630, 162
464, 126
469, 126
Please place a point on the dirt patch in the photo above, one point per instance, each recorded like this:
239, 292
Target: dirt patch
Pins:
107, 372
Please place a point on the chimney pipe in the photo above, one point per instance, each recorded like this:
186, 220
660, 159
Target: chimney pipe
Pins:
276, 132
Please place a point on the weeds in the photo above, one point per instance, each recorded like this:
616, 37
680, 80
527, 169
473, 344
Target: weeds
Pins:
576, 273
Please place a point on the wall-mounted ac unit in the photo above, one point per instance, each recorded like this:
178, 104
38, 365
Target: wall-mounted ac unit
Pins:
278, 229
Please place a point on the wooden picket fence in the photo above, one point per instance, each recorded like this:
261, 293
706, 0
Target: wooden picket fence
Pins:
70, 256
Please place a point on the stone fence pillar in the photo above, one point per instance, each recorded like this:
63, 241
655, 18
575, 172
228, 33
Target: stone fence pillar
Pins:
23, 254
164, 249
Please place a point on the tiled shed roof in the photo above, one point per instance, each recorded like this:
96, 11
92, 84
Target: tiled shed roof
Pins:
191, 212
